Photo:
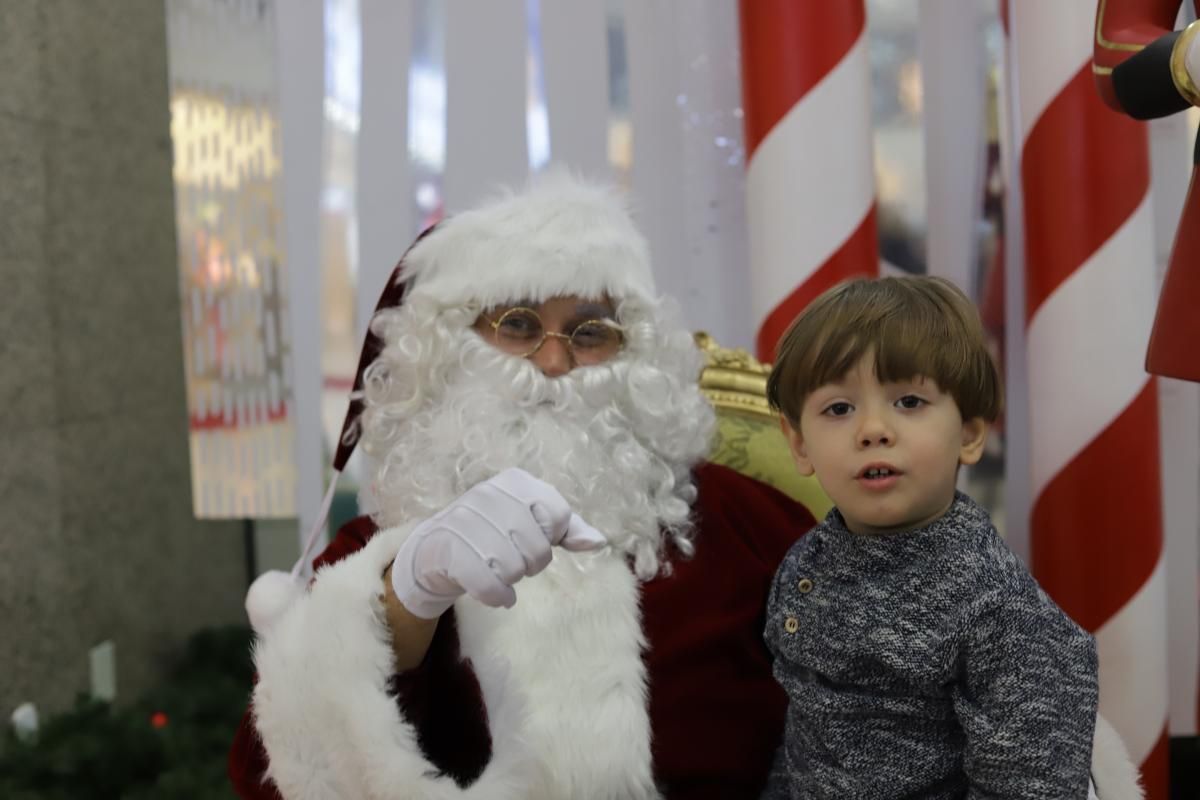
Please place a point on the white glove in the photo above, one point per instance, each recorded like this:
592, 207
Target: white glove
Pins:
496, 533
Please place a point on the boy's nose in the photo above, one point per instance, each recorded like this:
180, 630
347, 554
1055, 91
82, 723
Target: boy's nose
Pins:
870, 439
874, 431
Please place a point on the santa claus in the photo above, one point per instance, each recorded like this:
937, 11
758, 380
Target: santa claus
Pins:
553, 596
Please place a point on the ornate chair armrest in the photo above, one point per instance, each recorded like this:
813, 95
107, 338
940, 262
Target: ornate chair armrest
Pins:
748, 437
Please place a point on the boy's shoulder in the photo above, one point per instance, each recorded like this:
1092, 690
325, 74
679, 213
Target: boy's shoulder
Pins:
987, 551
1007, 588
988, 574
980, 545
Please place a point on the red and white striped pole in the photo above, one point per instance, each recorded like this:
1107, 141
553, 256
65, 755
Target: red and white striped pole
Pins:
810, 184
1096, 521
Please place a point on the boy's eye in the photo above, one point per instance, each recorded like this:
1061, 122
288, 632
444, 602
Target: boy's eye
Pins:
837, 409
910, 401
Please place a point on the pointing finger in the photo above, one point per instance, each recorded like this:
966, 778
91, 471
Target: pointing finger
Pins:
582, 537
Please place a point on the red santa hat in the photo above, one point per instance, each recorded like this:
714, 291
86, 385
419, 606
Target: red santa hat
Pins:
560, 236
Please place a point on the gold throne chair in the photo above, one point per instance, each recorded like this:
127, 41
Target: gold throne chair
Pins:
748, 437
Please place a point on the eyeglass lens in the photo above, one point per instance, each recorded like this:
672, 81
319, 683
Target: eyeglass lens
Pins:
520, 331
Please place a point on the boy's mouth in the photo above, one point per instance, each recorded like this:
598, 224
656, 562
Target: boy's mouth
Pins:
878, 475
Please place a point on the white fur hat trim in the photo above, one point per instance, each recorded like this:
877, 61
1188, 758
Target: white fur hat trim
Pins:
562, 236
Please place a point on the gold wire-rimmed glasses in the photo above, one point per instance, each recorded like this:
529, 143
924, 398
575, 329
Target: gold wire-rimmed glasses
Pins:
519, 331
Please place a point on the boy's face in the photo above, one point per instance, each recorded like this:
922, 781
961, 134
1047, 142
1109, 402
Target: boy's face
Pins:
886, 454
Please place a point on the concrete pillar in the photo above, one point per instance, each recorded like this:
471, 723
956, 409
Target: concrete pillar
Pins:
97, 538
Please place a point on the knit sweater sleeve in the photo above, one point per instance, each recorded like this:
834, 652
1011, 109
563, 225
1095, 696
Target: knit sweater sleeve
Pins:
1026, 699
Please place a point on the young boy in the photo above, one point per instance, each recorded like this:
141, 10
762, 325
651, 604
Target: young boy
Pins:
920, 658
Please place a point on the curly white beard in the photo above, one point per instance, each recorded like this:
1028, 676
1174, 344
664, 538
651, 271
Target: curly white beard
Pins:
446, 410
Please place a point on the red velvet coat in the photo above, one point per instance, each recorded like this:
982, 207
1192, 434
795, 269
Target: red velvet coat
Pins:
714, 710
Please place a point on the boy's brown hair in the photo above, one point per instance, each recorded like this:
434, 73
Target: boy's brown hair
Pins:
914, 325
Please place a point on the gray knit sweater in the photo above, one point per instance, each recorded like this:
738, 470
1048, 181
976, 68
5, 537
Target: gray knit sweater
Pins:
926, 664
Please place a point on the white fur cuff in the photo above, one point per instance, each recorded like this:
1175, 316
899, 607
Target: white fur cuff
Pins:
322, 708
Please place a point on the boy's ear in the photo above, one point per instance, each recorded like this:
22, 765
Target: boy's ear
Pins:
796, 445
974, 436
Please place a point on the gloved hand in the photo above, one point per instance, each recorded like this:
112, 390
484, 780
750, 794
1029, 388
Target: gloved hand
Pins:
496, 533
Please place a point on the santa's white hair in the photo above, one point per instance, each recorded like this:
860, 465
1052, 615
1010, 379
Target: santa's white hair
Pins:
445, 410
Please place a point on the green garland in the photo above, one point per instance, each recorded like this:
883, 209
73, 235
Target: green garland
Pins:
169, 745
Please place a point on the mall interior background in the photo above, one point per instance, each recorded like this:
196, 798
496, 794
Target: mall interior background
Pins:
246, 173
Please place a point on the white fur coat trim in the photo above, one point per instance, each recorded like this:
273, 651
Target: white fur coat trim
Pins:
1113, 772
322, 709
578, 727
574, 644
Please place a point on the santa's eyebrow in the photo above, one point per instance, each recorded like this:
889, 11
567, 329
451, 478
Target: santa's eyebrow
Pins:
583, 311
586, 311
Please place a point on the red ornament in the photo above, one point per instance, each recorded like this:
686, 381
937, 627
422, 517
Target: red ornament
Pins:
158, 719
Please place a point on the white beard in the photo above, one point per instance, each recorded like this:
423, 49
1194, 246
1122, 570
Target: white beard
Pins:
445, 410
